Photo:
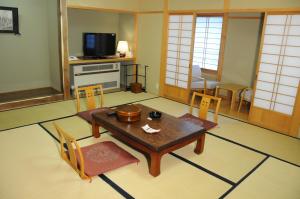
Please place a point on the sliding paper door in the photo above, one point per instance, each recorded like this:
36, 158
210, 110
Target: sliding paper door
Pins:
278, 73
179, 47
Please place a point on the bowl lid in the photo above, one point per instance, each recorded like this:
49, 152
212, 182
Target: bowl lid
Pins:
128, 110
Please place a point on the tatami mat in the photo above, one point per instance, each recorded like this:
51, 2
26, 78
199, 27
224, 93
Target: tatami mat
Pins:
228, 160
34, 114
114, 99
75, 126
273, 179
177, 179
278, 145
32, 168
167, 106
281, 146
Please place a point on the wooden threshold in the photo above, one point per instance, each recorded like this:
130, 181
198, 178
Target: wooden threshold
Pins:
30, 102
27, 94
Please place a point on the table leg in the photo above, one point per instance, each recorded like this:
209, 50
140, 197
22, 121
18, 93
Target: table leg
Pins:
95, 129
233, 96
200, 144
155, 164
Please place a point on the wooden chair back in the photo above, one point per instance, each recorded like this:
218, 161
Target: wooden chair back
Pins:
69, 155
204, 105
90, 94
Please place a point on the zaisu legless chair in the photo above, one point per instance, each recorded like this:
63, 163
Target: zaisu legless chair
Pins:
90, 93
94, 159
203, 109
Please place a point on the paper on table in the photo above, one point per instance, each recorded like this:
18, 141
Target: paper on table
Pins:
148, 129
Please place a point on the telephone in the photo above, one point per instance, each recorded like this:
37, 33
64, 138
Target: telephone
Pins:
71, 58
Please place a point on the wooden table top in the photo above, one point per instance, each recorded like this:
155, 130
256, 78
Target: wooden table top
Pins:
173, 130
231, 86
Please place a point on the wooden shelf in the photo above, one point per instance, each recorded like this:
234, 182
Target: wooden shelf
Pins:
95, 61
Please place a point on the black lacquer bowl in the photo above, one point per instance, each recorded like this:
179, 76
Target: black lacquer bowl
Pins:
155, 114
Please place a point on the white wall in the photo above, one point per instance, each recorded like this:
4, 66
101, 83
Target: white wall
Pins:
241, 51
149, 47
24, 59
126, 28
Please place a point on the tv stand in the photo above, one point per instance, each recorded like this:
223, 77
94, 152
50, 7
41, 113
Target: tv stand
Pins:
82, 60
92, 57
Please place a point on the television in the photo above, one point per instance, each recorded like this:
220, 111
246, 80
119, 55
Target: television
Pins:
99, 45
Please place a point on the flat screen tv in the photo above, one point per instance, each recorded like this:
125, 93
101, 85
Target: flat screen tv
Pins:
99, 44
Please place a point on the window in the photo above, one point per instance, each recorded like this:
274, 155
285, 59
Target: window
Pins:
207, 42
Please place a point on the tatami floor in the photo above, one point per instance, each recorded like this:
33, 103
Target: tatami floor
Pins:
239, 160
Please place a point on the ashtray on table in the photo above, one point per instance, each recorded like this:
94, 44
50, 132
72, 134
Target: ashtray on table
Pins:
155, 114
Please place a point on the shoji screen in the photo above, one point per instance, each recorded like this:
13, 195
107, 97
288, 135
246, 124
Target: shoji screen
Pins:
279, 70
179, 47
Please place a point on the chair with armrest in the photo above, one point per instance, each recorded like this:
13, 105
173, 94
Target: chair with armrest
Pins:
90, 93
203, 110
200, 83
94, 159
246, 95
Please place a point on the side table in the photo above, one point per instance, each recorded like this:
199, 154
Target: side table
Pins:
234, 88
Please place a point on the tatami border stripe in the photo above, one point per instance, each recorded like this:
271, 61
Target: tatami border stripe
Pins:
47, 131
236, 143
83, 138
88, 137
116, 187
243, 178
203, 169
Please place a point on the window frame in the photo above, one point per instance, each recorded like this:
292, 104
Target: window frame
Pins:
218, 72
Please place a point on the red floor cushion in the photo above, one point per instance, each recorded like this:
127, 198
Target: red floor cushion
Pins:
104, 156
196, 120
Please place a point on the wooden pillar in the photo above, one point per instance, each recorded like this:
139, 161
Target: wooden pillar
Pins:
65, 48
164, 48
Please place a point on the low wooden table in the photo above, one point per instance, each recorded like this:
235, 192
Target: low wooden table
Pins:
174, 134
234, 88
